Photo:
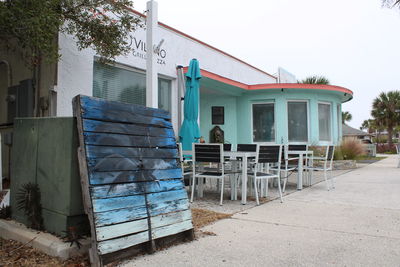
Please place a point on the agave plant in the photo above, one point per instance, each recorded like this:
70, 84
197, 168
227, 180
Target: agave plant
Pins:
29, 200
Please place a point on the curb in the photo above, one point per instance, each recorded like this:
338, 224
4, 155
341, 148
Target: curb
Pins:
45, 242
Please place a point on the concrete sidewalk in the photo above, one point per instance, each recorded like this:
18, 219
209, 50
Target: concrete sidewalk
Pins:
357, 224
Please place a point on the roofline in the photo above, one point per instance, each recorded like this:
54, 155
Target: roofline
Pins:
203, 43
266, 86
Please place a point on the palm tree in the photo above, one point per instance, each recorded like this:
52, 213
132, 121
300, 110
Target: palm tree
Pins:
390, 3
385, 111
315, 80
346, 116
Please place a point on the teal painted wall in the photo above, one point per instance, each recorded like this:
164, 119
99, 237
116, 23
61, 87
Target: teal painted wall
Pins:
238, 113
230, 125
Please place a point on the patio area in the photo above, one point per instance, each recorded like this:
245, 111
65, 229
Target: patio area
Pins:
210, 200
354, 225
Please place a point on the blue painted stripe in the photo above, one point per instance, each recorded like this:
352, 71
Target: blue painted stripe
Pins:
97, 178
93, 102
93, 151
128, 189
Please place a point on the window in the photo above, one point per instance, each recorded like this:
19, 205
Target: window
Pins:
121, 84
164, 94
324, 120
217, 115
264, 122
297, 121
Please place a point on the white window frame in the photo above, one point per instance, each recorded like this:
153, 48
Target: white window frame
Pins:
331, 119
251, 121
308, 120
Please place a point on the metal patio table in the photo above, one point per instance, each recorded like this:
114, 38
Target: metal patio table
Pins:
301, 154
233, 155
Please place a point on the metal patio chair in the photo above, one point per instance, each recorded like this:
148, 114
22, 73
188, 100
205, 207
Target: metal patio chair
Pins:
186, 162
266, 155
327, 165
287, 167
398, 153
209, 153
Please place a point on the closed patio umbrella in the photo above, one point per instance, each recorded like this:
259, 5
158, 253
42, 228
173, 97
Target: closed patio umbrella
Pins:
190, 132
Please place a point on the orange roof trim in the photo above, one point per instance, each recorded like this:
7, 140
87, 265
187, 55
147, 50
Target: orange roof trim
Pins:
249, 87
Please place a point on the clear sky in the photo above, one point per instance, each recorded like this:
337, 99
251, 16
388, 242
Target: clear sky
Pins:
354, 43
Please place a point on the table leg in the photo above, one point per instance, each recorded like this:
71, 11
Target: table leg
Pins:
244, 180
300, 173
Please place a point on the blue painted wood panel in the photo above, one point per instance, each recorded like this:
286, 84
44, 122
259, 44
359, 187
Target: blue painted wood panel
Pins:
134, 179
99, 178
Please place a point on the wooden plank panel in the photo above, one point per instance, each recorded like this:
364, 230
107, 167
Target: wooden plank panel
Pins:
130, 152
156, 198
132, 181
98, 178
132, 227
119, 190
124, 117
112, 245
130, 164
172, 229
120, 216
106, 204
123, 140
170, 206
125, 128
122, 229
170, 218
98, 103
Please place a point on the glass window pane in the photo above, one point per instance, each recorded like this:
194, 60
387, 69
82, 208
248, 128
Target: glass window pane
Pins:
324, 119
164, 94
297, 121
119, 84
263, 122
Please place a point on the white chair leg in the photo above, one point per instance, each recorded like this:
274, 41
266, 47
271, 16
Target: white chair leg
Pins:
255, 191
332, 179
266, 187
285, 181
222, 191
193, 188
326, 180
280, 190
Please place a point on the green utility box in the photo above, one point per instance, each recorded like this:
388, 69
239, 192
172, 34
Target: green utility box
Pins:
44, 151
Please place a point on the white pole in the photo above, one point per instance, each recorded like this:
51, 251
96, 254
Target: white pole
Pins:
151, 64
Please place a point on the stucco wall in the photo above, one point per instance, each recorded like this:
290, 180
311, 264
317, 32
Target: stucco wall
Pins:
239, 114
75, 72
230, 125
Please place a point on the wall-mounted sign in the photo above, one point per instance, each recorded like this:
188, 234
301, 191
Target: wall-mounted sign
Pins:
217, 115
140, 51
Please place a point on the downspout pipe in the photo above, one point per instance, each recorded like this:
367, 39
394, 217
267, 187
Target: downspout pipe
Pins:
9, 71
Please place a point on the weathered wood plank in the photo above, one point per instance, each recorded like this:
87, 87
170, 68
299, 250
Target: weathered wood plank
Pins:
130, 164
98, 178
172, 229
112, 245
125, 128
128, 228
123, 140
121, 229
94, 151
170, 218
93, 102
170, 206
129, 189
107, 204
120, 216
